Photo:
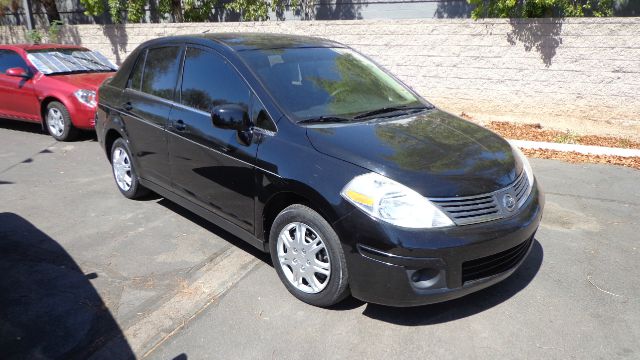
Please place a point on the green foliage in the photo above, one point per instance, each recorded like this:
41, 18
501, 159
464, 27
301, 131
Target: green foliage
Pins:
53, 33
197, 11
135, 10
258, 10
540, 8
93, 7
116, 7
166, 7
186, 10
34, 36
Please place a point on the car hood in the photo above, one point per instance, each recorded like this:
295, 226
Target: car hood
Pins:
89, 81
434, 153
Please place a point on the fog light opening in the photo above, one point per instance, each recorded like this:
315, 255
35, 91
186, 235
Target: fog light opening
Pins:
425, 278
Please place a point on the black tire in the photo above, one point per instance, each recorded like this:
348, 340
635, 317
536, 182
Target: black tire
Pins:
135, 190
65, 132
337, 287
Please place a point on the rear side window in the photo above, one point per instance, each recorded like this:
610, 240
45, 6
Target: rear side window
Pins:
208, 81
135, 80
161, 71
10, 59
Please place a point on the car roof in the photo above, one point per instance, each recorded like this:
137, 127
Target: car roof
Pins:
28, 47
255, 41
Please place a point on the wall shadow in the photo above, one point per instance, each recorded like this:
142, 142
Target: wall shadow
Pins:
453, 9
541, 35
118, 38
337, 10
48, 307
465, 306
69, 35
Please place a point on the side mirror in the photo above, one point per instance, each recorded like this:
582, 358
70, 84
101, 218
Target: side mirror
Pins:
230, 116
17, 72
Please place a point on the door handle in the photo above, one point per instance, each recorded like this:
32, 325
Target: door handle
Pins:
127, 106
179, 125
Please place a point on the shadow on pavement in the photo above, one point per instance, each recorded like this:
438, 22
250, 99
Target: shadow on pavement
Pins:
465, 306
209, 226
22, 126
48, 307
36, 128
412, 316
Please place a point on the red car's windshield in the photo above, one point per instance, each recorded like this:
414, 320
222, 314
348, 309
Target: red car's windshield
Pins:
59, 61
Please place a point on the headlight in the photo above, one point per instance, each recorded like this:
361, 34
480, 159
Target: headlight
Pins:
393, 202
86, 97
526, 167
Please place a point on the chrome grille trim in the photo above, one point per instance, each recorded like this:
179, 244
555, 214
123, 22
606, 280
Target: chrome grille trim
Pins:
485, 207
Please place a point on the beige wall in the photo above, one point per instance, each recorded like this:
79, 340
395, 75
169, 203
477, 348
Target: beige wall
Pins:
578, 74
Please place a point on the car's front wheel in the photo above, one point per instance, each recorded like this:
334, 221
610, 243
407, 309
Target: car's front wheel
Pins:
124, 171
58, 122
308, 257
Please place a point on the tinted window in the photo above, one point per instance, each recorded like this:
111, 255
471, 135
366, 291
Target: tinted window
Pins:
135, 80
261, 118
10, 59
312, 82
161, 71
208, 81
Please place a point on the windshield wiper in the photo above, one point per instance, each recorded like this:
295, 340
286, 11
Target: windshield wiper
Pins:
325, 119
390, 109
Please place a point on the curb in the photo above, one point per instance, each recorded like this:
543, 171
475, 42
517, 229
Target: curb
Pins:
149, 332
582, 149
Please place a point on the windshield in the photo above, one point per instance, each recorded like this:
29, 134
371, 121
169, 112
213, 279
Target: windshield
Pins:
58, 61
327, 82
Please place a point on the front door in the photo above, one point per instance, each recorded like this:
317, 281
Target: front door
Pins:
17, 96
212, 166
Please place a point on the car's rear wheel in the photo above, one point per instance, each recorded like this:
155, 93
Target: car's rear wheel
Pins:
58, 122
124, 172
308, 257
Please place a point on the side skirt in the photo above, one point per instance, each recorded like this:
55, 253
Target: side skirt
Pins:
206, 214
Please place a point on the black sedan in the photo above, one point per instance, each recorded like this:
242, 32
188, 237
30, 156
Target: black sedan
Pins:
310, 151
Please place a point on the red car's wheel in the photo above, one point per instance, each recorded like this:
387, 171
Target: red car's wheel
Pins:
59, 123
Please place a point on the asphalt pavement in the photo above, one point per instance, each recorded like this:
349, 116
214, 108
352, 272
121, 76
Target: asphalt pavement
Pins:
86, 271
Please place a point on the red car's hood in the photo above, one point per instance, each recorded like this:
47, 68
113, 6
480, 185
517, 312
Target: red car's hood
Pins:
89, 81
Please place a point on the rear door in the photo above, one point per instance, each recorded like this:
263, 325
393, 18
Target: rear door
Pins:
148, 99
211, 166
17, 96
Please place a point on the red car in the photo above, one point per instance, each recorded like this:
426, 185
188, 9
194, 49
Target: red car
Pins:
54, 85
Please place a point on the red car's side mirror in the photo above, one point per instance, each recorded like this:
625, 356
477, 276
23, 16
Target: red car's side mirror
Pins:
17, 72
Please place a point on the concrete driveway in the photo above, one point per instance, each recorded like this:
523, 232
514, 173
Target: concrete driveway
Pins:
85, 271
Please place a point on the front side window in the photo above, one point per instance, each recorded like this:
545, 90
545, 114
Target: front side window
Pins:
161, 71
64, 61
261, 118
10, 59
208, 81
315, 82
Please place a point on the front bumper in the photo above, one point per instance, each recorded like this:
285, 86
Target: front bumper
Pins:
82, 116
408, 267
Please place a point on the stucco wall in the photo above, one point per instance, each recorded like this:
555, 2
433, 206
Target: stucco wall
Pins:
578, 74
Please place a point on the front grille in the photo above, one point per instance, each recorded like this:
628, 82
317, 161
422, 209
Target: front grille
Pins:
485, 207
494, 264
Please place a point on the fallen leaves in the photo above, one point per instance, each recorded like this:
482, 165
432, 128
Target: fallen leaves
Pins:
574, 157
535, 132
